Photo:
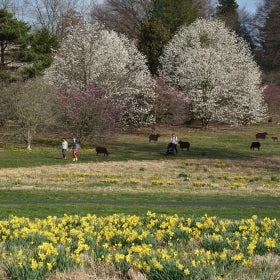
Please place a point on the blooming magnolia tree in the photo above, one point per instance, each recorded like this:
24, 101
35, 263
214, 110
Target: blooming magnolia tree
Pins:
92, 55
215, 71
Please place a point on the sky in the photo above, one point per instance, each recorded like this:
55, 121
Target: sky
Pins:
249, 5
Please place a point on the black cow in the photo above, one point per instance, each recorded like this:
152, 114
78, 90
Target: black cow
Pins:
101, 150
256, 145
154, 137
184, 145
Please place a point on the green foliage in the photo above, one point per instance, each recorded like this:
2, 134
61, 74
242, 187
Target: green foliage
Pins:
174, 14
165, 18
23, 54
153, 36
13, 39
40, 53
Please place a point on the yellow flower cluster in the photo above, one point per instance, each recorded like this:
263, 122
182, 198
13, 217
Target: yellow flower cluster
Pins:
167, 245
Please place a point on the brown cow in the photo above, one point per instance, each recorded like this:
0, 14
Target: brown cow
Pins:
274, 138
184, 145
261, 135
256, 145
101, 150
154, 137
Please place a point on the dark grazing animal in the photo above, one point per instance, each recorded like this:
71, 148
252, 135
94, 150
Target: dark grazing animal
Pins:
274, 138
261, 135
154, 137
171, 149
256, 145
184, 145
101, 150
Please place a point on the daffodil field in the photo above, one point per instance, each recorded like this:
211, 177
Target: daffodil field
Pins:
159, 246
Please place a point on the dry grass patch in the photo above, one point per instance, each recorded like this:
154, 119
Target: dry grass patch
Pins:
176, 176
264, 267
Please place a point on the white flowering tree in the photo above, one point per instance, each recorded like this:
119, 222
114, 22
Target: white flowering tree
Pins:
91, 55
215, 71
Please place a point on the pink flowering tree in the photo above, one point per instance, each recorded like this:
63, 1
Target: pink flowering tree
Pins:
171, 108
88, 113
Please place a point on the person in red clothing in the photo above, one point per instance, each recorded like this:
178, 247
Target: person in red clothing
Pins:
74, 147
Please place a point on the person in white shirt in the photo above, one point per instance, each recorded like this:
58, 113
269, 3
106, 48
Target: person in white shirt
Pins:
174, 141
64, 148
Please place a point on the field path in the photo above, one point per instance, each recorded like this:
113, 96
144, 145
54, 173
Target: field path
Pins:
155, 203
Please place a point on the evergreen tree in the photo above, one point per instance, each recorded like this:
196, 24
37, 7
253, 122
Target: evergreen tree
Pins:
174, 13
152, 38
267, 39
165, 18
270, 38
42, 45
13, 40
228, 13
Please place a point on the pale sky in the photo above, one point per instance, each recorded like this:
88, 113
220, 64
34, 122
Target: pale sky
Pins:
249, 5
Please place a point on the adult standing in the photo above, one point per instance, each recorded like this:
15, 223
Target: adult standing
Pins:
64, 148
74, 147
174, 141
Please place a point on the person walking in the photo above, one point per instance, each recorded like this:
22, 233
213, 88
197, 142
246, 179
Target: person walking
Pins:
64, 148
174, 141
74, 147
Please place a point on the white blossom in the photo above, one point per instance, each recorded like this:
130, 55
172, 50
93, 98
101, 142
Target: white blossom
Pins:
215, 70
92, 55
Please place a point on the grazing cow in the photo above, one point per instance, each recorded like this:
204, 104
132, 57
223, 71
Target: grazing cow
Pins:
101, 150
154, 137
274, 138
184, 145
261, 135
256, 145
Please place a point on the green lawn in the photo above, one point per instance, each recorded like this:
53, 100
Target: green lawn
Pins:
220, 162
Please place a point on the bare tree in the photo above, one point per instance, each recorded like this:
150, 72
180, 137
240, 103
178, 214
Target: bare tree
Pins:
55, 15
126, 16
16, 7
122, 16
13, 6
205, 8
31, 103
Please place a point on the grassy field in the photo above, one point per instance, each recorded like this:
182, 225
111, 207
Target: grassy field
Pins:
48, 207
220, 175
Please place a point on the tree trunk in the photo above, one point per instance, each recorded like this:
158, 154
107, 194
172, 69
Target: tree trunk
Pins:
29, 138
204, 123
